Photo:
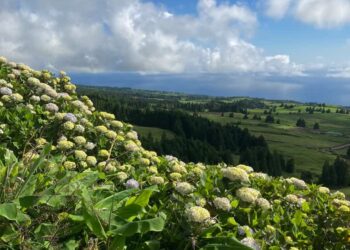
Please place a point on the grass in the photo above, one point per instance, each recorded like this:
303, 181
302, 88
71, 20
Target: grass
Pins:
308, 147
156, 132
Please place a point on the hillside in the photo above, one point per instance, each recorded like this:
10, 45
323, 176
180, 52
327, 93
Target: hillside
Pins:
73, 177
308, 147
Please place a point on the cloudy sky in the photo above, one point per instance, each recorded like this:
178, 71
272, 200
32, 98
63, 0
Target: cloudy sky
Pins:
295, 49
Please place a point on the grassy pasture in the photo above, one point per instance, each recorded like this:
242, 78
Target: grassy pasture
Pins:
308, 147
156, 132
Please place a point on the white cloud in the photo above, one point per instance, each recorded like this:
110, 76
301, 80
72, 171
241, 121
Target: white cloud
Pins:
134, 35
323, 13
277, 8
318, 13
340, 72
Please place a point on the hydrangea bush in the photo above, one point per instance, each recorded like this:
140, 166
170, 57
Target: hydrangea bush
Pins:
73, 177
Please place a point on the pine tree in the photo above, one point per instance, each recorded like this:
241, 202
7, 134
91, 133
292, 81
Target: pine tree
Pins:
306, 176
290, 166
301, 123
316, 126
348, 153
325, 178
269, 119
342, 172
333, 182
277, 164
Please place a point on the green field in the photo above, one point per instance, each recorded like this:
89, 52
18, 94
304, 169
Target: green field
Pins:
156, 132
310, 148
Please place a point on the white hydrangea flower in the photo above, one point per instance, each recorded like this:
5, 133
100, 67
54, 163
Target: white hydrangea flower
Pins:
107, 116
235, 174
222, 203
292, 198
340, 202
45, 98
197, 171
249, 195
178, 168
197, 214
91, 160
90, 146
80, 155
5, 91
13, 65
121, 176
80, 140
111, 134
51, 107
64, 96
6, 98
175, 176
3, 60
17, 97
69, 165
339, 195
300, 184
156, 180
101, 129
65, 145
116, 124
23, 67
263, 203
79, 128
3, 83
245, 168
40, 142
33, 81
201, 166
70, 117
152, 170
131, 146
104, 153
132, 183
132, 135
251, 242
50, 91
145, 161
261, 176
68, 125
324, 190
62, 138
170, 158
30, 107
35, 98
110, 168
184, 188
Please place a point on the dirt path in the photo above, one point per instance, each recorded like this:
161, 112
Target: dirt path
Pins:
340, 146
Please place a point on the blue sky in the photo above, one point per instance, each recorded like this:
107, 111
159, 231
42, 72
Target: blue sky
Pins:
293, 49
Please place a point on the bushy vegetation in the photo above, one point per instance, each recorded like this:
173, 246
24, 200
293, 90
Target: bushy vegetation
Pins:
73, 177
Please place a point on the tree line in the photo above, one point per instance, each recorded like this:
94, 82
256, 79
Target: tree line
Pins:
336, 174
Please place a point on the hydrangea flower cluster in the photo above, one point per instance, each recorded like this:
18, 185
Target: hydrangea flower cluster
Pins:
235, 174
